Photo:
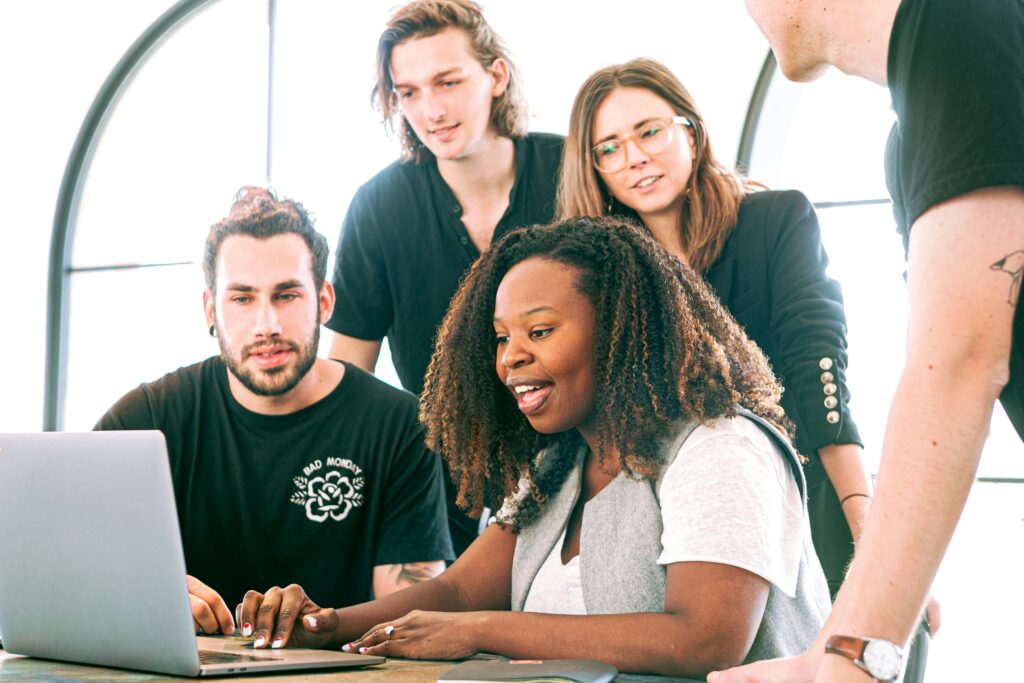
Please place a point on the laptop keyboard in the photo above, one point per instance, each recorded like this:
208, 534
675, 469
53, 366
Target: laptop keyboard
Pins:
215, 657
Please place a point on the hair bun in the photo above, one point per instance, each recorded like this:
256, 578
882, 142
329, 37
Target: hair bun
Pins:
252, 200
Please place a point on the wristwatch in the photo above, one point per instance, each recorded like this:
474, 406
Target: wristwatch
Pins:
881, 659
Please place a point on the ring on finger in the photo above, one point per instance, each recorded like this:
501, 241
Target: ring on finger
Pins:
388, 630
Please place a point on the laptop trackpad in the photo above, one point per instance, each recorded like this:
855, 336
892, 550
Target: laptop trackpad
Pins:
237, 645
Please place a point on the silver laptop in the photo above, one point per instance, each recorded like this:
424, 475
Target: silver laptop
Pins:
91, 563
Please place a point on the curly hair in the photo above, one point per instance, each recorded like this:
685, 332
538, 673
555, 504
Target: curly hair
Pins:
666, 350
257, 212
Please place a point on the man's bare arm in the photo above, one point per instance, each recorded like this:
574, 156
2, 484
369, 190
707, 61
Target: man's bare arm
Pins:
958, 349
361, 352
388, 578
959, 336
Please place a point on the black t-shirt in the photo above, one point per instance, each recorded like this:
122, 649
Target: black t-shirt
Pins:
956, 75
317, 497
404, 249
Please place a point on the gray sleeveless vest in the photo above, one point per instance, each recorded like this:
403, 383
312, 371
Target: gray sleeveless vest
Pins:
620, 543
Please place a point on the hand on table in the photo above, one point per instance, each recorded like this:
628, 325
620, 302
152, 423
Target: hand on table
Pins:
271, 617
420, 635
812, 665
210, 613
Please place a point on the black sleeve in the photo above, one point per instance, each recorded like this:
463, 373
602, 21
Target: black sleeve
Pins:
959, 92
362, 307
414, 523
808, 325
132, 411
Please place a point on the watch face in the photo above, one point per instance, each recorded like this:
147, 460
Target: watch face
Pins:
882, 659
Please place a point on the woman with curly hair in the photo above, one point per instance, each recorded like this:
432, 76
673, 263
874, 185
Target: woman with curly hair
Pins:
639, 148
655, 513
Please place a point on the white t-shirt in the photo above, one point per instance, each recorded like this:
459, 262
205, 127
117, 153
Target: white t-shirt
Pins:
557, 588
728, 497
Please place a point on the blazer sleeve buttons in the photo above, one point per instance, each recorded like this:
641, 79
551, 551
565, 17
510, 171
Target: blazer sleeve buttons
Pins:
829, 388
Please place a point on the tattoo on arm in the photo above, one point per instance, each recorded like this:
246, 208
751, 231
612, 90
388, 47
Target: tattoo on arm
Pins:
413, 572
1013, 265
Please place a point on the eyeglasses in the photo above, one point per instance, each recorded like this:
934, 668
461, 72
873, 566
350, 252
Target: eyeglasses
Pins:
652, 137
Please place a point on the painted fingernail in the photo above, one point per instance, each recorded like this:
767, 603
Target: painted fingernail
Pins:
246, 630
278, 642
363, 650
259, 642
311, 622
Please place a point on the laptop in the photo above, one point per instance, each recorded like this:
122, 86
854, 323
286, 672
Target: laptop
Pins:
92, 565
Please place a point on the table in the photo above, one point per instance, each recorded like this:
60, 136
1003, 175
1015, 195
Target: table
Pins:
17, 668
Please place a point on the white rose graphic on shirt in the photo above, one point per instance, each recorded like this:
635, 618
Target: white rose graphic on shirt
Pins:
331, 495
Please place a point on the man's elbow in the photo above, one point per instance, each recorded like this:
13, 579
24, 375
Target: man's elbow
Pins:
987, 366
1000, 377
978, 366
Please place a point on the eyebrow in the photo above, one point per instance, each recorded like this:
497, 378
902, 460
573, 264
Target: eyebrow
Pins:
636, 125
526, 314
453, 71
280, 286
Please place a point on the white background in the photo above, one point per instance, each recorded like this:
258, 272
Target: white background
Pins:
190, 130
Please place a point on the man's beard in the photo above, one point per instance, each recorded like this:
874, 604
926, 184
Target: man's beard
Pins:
272, 381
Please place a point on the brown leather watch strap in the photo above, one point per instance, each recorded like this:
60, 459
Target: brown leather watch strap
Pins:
847, 646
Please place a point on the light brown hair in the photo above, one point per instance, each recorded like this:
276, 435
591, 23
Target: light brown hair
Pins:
424, 18
714, 192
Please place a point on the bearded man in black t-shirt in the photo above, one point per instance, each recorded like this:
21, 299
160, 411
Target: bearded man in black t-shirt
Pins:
287, 468
955, 169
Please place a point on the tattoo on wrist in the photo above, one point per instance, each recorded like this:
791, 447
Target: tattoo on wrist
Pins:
1013, 265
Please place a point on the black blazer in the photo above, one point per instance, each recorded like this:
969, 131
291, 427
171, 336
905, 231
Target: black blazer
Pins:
771, 276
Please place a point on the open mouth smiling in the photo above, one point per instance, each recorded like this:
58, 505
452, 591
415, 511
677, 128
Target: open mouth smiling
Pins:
531, 394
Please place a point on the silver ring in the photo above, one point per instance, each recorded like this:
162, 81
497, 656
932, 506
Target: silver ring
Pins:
388, 630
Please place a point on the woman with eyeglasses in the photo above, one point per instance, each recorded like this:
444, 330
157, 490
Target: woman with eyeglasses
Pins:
638, 147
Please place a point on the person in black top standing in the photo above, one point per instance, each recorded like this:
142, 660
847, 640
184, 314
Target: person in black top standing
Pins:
469, 172
955, 170
287, 468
